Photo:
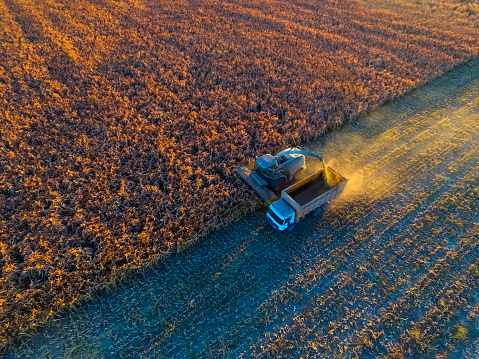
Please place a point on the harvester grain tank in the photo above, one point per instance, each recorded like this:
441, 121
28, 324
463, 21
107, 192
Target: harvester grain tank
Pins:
291, 186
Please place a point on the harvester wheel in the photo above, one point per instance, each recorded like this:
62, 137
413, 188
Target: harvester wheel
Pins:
278, 185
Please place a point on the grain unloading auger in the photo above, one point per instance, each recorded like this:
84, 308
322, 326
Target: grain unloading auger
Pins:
292, 186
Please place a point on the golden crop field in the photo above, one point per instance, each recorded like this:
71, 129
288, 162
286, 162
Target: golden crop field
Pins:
390, 270
121, 121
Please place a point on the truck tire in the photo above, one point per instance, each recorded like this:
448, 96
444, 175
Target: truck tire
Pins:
278, 185
291, 227
318, 211
325, 206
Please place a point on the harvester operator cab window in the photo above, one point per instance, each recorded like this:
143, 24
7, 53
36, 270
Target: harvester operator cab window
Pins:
267, 165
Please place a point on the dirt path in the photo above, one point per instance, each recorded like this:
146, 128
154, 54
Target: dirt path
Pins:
392, 268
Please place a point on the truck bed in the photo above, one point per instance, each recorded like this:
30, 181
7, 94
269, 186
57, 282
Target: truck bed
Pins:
314, 191
310, 190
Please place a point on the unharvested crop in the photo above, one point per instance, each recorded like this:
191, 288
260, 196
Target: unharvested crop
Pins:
121, 121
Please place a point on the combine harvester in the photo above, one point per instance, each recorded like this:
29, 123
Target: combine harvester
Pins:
291, 189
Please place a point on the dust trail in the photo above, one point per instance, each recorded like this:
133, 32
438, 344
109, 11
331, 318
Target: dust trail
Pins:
355, 186
379, 154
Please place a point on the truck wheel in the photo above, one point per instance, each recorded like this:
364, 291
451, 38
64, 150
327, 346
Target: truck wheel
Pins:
278, 185
325, 206
291, 227
318, 211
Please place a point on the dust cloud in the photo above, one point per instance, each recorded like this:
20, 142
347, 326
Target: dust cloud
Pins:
400, 142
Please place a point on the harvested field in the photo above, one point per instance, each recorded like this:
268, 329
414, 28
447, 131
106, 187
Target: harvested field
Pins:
390, 271
120, 121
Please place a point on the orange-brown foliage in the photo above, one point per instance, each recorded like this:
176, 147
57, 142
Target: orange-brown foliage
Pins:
121, 121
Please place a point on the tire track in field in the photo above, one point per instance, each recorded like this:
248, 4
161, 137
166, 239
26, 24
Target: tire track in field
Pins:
391, 252
414, 256
330, 299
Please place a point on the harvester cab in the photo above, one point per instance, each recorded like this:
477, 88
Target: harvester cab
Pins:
276, 171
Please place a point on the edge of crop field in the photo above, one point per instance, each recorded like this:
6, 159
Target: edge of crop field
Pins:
410, 90
127, 273
124, 274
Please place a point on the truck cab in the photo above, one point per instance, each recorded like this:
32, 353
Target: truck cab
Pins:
280, 216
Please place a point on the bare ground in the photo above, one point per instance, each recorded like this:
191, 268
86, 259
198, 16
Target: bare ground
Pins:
390, 270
